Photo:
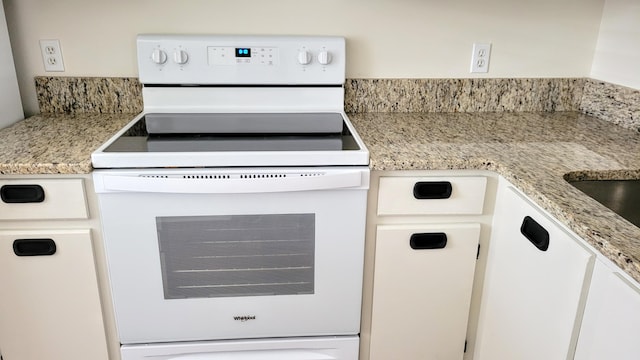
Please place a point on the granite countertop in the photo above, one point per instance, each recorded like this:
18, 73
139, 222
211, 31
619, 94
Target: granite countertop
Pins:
535, 151
56, 143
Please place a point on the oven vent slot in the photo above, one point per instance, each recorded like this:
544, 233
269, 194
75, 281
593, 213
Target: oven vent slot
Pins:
241, 176
206, 177
225, 176
278, 175
155, 176
262, 176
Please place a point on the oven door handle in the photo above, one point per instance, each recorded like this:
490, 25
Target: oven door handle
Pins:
346, 179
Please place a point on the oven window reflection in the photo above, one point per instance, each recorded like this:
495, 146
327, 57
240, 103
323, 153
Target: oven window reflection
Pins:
237, 255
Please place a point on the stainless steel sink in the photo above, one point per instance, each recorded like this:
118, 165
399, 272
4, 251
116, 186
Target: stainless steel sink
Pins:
621, 196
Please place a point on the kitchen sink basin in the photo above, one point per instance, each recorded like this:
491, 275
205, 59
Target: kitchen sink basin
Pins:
621, 196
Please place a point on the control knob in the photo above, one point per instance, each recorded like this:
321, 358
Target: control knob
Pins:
304, 57
158, 56
180, 57
324, 57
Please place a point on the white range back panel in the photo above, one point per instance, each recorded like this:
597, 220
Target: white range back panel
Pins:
241, 60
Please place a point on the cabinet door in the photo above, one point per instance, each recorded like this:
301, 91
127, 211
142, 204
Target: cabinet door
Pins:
533, 288
422, 290
49, 304
611, 323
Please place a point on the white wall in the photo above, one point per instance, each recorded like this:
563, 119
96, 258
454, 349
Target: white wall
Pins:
10, 105
617, 56
385, 38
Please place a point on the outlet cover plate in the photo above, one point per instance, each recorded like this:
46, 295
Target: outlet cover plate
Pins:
52, 55
480, 57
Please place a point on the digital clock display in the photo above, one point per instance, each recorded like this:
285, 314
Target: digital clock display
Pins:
243, 52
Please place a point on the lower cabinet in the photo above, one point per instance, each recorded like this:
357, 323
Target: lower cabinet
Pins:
422, 290
535, 286
537, 291
49, 301
611, 323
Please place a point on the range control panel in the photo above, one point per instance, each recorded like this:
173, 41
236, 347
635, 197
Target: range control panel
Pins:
241, 60
226, 55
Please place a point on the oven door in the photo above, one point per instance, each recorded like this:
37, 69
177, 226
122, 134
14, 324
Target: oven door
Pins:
234, 253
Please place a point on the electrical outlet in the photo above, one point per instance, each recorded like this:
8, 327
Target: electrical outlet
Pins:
51, 55
480, 58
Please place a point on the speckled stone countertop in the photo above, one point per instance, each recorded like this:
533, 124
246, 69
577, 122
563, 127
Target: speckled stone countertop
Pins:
534, 151
56, 143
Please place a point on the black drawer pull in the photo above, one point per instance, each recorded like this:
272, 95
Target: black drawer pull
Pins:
428, 241
22, 193
533, 231
34, 247
432, 190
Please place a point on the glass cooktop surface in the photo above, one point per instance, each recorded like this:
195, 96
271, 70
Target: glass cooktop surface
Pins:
138, 140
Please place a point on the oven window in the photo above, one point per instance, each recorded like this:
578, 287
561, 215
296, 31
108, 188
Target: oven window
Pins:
237, 255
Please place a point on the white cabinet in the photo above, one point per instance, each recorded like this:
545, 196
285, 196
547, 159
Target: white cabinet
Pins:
421, 258
422, 290
50, 305
611, 323
535, 285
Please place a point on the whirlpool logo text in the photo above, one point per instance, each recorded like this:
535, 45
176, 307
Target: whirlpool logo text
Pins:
244, 318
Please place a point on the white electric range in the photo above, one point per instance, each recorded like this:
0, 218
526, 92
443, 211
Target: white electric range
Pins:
233, 207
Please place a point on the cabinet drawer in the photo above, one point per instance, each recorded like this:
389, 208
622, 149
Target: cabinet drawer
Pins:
431, 195
25, 199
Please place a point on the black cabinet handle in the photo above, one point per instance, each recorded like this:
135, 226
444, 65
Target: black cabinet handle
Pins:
22, 193
428, 241
34, 247
432, 190
533, 231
